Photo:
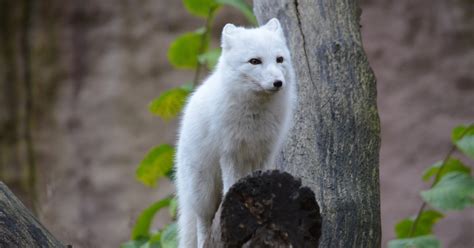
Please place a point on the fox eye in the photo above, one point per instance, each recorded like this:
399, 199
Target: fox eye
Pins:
279, 59
255, 61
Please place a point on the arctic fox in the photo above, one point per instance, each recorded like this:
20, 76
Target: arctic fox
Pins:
233, 124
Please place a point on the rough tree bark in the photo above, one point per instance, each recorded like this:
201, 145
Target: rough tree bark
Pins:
18, 226
267, 209
334, 144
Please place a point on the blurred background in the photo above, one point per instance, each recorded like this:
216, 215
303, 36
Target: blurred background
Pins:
76, 78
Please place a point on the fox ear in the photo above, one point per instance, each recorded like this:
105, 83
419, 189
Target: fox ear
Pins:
229, 28
273, 25
227, 32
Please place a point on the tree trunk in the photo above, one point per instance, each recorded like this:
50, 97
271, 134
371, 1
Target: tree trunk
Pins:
17, 165
30, 74
18, 226
334, 144
267, 209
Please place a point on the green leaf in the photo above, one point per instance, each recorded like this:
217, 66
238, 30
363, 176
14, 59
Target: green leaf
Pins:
188, 86
463, 138
134, 243
455, 191
141, 230
169, 236
184, 51
170, 103
451, 165
425, 224
210, 58
150, 244
243, 7
156, 164
173, 207
200, 8
403, 227
428, 241
156, 237
154, 241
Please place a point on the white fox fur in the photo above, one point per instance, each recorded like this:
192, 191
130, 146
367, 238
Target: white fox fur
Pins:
233, 124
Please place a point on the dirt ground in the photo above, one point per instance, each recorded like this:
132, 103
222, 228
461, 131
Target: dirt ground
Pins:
114, 53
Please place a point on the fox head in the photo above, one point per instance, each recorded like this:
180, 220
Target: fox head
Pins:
256, 59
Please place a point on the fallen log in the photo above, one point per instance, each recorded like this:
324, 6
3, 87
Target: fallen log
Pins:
18, 226
267, 209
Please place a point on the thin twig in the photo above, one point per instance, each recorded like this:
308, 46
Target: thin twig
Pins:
438, 174
437, 177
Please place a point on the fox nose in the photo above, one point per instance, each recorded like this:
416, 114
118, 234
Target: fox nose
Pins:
278, 83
